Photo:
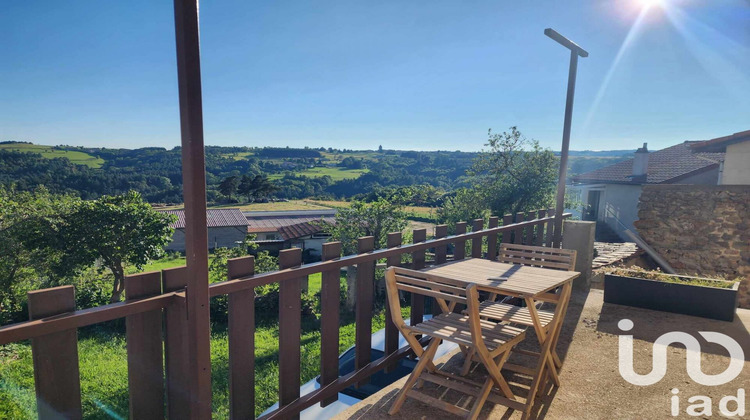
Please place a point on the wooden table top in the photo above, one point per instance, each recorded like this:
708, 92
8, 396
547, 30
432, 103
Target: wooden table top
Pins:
521, 280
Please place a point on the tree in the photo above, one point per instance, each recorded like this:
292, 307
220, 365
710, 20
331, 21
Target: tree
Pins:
464, 205
115, 231
256, 187
515, 174
229, 186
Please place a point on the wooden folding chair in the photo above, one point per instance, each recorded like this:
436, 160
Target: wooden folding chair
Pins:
490, 341
538, 256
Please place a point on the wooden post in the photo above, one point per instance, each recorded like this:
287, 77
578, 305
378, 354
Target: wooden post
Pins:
549, 234
330, 299
418, 262
529, 234
507, 235
363, 315
290, 329
391, 332
539, 237
194, 193
476, 243
144, 349
441, 231
241, 328
492, 239
518, 232
55, 357
459, 252
176, 357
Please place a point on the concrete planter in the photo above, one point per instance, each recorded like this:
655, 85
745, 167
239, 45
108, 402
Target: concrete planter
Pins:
703, 301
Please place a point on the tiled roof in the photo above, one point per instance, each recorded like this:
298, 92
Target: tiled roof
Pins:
271, 224
302, 229
214, 218
720, 144
664, 166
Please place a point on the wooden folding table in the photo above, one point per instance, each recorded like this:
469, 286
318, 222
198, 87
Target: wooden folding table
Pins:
533, 284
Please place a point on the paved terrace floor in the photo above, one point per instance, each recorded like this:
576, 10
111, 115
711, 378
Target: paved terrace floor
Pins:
592, 387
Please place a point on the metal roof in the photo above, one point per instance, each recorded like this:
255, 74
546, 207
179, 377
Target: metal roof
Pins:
303, 229
214, 218
664, 166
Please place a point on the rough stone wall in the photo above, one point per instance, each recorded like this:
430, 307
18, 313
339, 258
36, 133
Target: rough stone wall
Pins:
699, 229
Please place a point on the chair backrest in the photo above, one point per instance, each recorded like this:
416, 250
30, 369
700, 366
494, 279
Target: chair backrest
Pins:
538, 256
446, 292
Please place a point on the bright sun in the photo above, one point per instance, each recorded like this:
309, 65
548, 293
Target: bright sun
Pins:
647, 4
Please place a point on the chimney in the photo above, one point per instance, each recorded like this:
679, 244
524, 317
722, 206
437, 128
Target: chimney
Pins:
640, 161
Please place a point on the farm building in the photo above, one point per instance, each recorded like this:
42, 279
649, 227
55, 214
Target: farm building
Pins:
226, 228
276, 230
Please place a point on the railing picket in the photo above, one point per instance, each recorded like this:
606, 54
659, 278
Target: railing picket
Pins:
492, 239
391, 332
507, 235
476, 243
144, 349
176, 359
459, 247
290, 329
549, 235
364, 307
55, 357
441, 231
539, 237
518, 232
330, 298
418, 262
528, 238
241, 328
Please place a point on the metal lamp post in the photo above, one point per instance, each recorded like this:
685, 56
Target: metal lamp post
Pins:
575, 52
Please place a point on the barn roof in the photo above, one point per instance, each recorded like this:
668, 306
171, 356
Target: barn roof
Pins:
214, 218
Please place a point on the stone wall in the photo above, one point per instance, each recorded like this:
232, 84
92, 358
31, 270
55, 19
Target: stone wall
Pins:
699, 229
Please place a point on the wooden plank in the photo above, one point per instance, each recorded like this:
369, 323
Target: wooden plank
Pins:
492, 239
391, 332
418, 262
441, 231
507, 235
144, 349
459, 251
176, 360
330, 300
290, 329
549, 233
364, 306
476, 243
55, 357
539, 237
241, 330
528, 238
518, 232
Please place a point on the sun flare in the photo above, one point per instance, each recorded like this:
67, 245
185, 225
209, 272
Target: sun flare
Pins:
647, 4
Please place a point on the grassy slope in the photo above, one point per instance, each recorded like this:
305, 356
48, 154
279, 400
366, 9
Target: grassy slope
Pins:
336, 173
50, 152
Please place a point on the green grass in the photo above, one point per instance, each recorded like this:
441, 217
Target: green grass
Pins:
50, 152
103, 367
336, 173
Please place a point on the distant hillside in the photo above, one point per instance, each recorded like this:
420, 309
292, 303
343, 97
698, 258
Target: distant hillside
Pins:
50, 152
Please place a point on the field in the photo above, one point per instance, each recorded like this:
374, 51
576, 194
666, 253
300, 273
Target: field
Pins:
51, 152
415, 211
335, 172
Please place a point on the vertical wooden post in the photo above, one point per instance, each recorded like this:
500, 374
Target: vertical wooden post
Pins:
459, 251
241, 328
492, 239
176, 357
290, 329
55, 357
363, 315
539, 237
518, 232
476, 243
549, 235
330, 299
507, 235
441, 231
418, 262
144, 348
391, 332
194, 193
529, 233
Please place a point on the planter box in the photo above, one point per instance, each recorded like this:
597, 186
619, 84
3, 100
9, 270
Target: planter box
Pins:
702, 301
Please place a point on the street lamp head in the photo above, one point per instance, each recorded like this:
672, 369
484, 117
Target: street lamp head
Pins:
565, 42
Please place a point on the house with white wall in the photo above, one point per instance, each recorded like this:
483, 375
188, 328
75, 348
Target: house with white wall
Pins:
735, 166
611, 194
276, 230
226, 228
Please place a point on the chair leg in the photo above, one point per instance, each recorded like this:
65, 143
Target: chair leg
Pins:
481, 398
467, 362
425, 358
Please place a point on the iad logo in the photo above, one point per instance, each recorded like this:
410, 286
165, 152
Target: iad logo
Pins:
703, 404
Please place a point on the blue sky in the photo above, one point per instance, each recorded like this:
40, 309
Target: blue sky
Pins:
358, 74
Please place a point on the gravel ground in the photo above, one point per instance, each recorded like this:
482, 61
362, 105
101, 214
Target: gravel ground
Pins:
592, 387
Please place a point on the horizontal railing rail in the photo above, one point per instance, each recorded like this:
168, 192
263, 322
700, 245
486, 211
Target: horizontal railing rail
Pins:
157, 321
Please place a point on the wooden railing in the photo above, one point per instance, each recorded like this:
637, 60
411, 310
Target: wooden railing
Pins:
158, 374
